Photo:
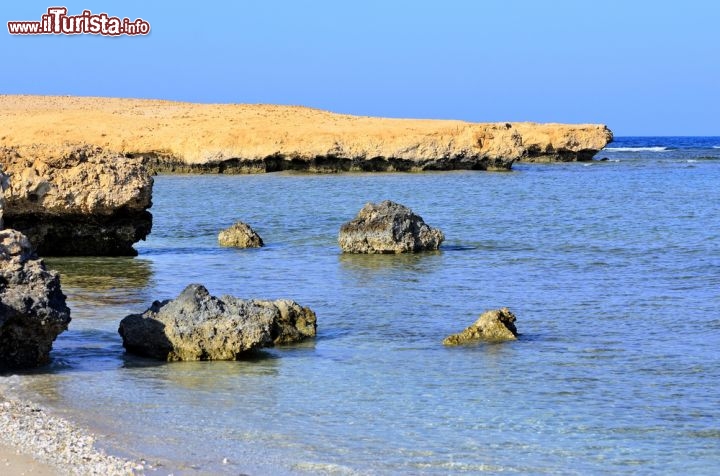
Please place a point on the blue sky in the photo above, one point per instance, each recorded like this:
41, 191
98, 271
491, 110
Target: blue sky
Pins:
642, 67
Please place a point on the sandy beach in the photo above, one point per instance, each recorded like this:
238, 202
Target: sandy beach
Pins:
13, 463
35, 442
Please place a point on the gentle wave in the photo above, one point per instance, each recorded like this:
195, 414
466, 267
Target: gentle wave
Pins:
716, 147
637, 149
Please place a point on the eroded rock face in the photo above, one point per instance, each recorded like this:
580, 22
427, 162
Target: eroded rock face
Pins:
198, 326
77, 200
496, 325
388, 227
32, 306
240, 235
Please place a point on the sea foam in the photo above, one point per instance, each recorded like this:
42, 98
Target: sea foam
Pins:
636, 149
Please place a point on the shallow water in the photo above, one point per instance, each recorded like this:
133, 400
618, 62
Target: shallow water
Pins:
613, 269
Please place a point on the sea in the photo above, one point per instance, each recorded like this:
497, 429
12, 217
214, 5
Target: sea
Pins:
612, 268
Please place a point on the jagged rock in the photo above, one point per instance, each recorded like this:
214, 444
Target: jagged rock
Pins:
245, 138
240, 235
77, 200
198, 326
388, 227
495, 325
32, 306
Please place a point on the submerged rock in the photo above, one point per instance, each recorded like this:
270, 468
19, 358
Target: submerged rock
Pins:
388, 227
77, 200
240, 235
495, 325
32, 306
198, 326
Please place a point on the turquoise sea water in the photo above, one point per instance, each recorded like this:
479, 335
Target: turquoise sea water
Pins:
612, 267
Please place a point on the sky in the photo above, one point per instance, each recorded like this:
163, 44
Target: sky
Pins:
641, 67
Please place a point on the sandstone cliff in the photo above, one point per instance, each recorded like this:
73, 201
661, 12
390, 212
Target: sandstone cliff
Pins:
236, 138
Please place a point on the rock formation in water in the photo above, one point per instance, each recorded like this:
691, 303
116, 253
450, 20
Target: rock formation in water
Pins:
198, 326
388, 227
77, 200
562, 143
240, 235
32, 306
496, 325
240, 138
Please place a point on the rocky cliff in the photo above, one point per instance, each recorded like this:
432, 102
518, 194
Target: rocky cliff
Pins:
76, 200
236, 138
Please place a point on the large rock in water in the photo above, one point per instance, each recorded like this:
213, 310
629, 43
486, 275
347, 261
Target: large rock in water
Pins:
388, 227
496, 325
77, 200
32, 306
198, 326
240, 235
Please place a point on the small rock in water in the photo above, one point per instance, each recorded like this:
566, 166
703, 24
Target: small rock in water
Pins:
388, 227
240, 235
494, 326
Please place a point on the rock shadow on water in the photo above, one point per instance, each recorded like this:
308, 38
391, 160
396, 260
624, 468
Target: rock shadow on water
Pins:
203, 375
134, 361
460, 247
103, 273
86, 350
94, 283
422, 262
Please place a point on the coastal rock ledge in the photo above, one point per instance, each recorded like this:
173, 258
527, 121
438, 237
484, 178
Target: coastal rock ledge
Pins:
32, 306
388, 227
77, 200
198, 326
181, 137
494, 326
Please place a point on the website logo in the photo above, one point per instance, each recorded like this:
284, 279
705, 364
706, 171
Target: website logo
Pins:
57, 22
